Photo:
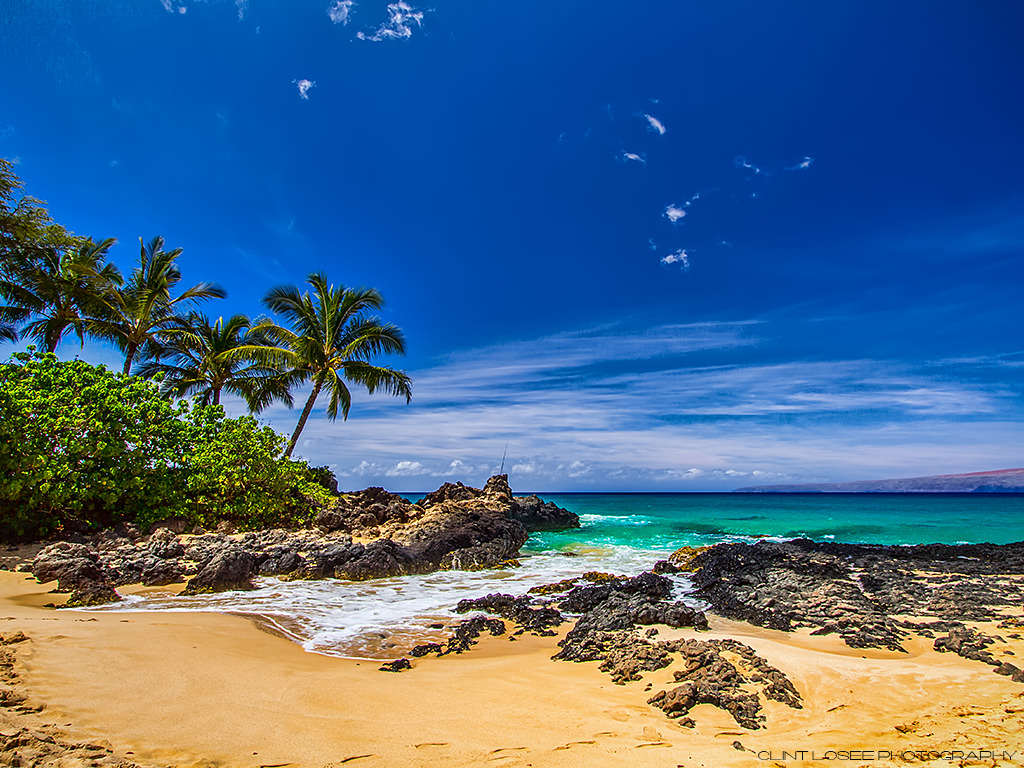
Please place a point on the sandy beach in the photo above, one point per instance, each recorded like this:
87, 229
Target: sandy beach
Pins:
188, 689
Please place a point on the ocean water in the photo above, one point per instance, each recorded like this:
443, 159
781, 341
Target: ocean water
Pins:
620, 533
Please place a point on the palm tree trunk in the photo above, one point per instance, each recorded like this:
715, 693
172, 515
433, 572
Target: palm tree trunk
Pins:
302, 419
216, 396
128, 356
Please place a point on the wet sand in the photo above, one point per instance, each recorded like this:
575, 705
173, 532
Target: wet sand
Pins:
191, 689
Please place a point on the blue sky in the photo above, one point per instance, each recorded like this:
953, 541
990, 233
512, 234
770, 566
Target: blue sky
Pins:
649, 246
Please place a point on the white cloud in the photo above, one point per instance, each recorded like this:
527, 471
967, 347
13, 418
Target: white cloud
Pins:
742, 162
678, 257
805, 163
674, 213
401, 18
172, 7
242, 6
651, 244
656, 125
698, 407
304, 86
633, 157
340, 11
408, 469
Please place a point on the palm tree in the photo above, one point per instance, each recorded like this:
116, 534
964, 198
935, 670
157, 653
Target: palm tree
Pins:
134, 316
331, 341
61, 288
208, 358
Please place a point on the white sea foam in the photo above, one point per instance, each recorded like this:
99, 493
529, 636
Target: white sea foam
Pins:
384, 618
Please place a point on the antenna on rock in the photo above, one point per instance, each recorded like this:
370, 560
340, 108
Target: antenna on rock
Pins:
502, 470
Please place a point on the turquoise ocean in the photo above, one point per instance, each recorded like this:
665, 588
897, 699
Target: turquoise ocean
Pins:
620, 533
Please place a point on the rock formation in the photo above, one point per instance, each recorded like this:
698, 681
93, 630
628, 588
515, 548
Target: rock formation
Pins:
365, 535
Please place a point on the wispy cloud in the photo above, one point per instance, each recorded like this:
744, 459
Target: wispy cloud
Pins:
632, 157
242, 6
681, 257
172, 7
654, 124
698, 407
674, 213
340, 12
304, 86
402, 17
742, 162
802, 165
6, 131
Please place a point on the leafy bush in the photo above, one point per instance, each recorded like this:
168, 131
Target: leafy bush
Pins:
81, 446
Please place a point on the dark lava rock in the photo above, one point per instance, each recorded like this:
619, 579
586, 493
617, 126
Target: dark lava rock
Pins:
539, 515
855, 590
231, 569
159, 572
378, 559
968, 643
422, 650
520, 610
396, 666
449, 526
71, 565
463, 637
711, 678
610, 611
164, 544
450, 492
91, 593
626, 655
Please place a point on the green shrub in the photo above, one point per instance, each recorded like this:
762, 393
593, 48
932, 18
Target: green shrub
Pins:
82, 446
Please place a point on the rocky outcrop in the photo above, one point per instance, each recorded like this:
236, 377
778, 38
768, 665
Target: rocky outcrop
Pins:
737, 683
479, 532
229, 570
539, 515
77, 569
859, 591
533, 512
366, 535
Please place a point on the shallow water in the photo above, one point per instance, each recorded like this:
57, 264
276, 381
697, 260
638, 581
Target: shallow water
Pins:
620, 533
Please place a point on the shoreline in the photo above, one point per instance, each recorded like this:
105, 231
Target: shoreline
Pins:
201, 689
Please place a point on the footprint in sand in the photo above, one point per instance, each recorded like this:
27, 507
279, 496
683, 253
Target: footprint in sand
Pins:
572, 744
432, 744
350, 760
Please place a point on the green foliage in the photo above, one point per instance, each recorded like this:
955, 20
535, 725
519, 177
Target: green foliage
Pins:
81, 446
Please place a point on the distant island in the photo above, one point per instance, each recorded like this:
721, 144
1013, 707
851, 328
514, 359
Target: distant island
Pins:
996, 481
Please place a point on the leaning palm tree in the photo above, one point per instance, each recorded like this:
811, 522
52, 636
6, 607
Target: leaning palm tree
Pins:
205, 359
331, 340
58, 290
134, 316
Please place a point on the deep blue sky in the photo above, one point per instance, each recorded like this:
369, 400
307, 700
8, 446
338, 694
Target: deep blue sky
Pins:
841, 299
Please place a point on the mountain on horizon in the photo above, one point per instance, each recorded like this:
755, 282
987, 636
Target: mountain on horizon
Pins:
996, 481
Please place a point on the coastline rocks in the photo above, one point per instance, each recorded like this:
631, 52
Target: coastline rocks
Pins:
461, 528
539, 515
712, 678
857, 591
482, 525
533, 512
229, 570
76, 569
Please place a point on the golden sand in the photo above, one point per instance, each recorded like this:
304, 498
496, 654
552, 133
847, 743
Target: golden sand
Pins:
193, 689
